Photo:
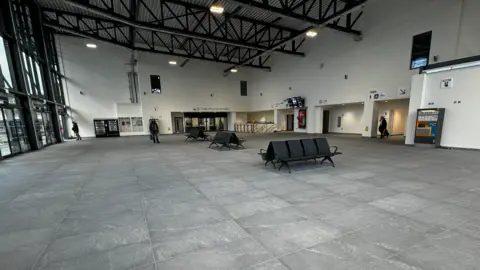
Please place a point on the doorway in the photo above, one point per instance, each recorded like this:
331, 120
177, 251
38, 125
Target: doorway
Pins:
289, 122
178, 121
326, 121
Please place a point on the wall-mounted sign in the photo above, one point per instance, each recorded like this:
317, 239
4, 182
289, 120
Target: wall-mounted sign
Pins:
279, 105
402, 92
446, 83
210, 109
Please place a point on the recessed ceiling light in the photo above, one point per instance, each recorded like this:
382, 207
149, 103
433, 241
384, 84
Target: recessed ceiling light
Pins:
91, 45
312, 33
173, 63
216, 9
234, 70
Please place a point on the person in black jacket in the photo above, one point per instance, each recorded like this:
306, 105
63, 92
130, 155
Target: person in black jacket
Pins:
383, 127
153, 127
77, 132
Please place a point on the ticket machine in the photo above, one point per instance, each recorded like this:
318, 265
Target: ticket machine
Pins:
428, 127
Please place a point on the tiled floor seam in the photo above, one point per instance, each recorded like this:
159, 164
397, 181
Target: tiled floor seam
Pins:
148, 227
67, 212
236, 223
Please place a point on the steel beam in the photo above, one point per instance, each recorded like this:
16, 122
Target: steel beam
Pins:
152, 49
163, 29
347, 10
290, 12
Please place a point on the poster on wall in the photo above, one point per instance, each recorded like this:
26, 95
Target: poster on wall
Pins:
302, 118
446, 83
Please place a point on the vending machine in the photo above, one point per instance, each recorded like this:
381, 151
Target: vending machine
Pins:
106, 127
428, 127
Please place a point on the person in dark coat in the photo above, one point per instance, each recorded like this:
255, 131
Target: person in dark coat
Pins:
76, 131
154, 130
383, 127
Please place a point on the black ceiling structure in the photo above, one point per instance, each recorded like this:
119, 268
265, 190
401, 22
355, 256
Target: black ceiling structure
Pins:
246, 34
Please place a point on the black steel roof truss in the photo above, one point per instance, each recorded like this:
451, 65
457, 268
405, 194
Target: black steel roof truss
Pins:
189, 30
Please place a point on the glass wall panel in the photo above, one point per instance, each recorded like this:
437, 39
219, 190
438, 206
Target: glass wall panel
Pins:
41, 137
21, 130
12, 130
5, 66
4, 143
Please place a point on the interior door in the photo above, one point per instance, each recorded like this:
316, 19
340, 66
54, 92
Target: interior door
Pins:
326, 121
289, 122
179, 125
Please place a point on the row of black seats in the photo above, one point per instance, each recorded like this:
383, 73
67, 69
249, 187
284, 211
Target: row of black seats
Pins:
284, 152
226, 139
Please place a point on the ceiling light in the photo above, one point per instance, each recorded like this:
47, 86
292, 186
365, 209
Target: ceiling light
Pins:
312, 33
343, 104
173, 63
234, 70
91, 45
386, 100
216, 9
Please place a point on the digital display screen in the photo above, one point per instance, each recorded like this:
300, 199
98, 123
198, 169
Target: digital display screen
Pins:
290, 102
294, 101
419, 62
300, 102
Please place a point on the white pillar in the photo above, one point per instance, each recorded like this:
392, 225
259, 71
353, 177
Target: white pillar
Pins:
318, 120
275, 119
416, 98
311, 118
369, 119
232, 116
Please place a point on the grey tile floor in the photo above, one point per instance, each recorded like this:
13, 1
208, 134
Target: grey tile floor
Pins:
125, 203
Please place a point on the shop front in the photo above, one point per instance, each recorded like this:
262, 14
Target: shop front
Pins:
13, 135
206, 121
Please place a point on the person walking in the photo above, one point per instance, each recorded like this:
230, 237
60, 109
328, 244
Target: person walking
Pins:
76, 131
383, 128
154, 130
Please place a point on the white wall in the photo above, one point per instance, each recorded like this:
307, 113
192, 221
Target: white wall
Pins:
379, 62
397, 120
100, 75
241, 117
351, 119
460, 127
185, 89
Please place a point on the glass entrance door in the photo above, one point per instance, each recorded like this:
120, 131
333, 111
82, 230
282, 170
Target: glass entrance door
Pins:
41, 138
12, 130
47, 123
4, 142
21, 130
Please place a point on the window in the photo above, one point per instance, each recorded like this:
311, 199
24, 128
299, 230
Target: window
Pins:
5, 76
243, 88
420, 50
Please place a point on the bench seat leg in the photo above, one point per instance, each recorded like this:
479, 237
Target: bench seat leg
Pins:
288, 167
328, 159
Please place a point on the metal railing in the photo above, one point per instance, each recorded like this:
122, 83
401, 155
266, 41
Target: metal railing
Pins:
255, 128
